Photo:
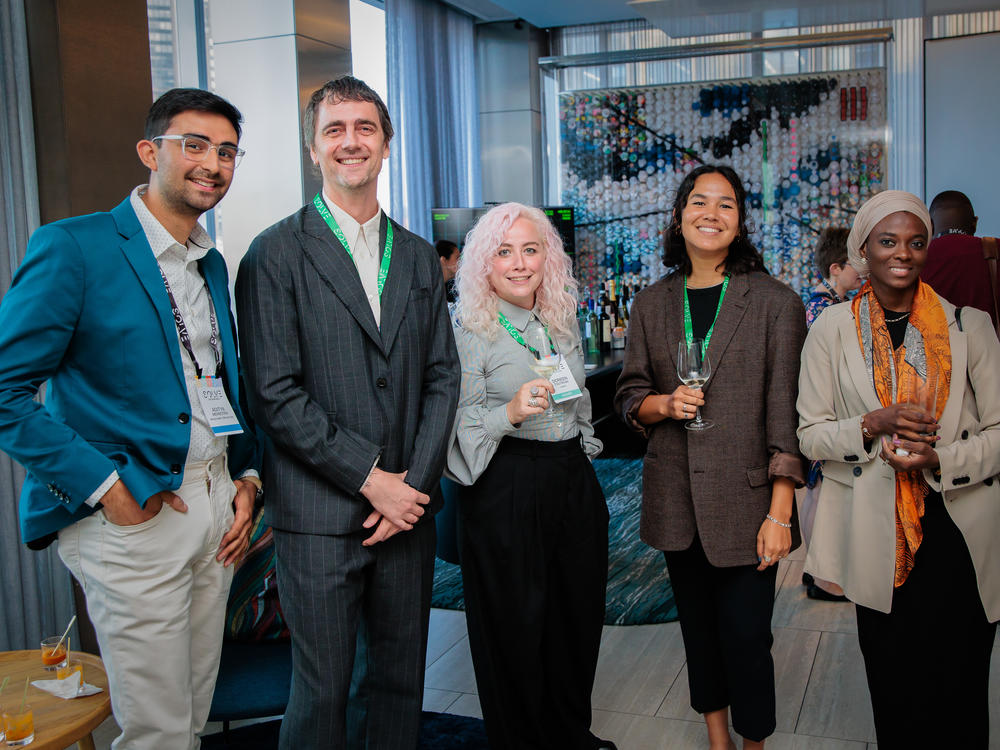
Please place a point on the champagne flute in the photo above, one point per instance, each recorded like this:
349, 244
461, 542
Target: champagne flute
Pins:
694, 370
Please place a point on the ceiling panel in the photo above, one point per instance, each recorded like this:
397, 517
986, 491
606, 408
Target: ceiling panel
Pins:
683, 18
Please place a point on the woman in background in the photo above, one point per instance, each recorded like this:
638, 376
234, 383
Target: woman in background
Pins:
837, 279
719, 502
900, 399
533, 520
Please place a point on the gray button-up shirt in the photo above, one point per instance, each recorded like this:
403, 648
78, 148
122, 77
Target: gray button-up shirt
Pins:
492, 372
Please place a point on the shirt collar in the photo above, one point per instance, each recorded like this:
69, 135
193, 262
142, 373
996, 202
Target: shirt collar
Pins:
350, 227
160, 240
518, 316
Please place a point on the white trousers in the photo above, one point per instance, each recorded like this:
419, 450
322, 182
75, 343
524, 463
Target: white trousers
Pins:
157, 598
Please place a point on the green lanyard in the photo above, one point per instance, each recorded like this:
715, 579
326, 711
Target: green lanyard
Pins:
688, 333
383, 270
516, 335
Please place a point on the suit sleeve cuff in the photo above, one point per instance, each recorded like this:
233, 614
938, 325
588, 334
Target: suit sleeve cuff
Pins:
253, 477
787, 465
102, 490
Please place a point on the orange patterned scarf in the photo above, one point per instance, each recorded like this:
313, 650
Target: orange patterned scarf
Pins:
918, 372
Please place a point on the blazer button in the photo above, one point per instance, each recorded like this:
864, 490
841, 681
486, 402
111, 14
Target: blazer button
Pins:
175, 468
857, 471
183, 417
988, 481
851, 457
965, 434
380, 382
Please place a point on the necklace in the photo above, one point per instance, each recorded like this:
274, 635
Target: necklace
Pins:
896, 320
830, 289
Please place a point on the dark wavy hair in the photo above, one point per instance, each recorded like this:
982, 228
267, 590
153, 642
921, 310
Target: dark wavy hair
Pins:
175, 101
743, 256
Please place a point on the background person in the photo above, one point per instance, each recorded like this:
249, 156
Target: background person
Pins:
354, 379
123, 462
720, 502
911, 538
449, 254
534, 523
837, 280
957, 264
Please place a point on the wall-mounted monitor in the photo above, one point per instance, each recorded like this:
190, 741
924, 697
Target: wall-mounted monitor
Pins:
453, 224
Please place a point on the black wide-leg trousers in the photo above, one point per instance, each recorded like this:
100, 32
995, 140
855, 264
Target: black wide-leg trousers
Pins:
928, 659
725, 616
534, 546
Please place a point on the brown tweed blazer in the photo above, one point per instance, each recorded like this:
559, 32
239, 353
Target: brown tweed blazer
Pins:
717, 482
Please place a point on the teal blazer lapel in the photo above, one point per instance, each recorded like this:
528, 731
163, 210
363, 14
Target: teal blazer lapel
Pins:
135, 247
396, 293
338, 271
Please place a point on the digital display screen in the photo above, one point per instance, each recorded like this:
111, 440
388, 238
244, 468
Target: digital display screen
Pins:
453, 224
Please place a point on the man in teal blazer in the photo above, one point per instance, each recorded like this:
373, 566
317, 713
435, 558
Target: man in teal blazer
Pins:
140, 461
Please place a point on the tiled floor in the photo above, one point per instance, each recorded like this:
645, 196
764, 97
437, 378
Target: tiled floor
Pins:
641, 696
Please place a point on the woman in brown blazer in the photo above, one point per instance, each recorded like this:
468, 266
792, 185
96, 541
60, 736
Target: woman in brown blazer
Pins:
719, 502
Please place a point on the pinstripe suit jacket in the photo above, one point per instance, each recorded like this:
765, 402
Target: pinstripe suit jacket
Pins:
331, 390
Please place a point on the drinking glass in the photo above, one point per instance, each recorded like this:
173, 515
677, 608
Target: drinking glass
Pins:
19, 724
694, 370
52, 657
917, 391
546, 361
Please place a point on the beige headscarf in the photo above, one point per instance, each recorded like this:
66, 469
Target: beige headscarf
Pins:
875, 209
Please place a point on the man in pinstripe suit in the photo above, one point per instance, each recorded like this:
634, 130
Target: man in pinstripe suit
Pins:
353, 376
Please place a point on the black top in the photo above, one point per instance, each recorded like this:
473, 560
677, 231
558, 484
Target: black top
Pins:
703, 305
897, 329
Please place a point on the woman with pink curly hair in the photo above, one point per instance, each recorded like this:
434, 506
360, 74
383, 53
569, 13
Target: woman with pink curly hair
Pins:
533, 520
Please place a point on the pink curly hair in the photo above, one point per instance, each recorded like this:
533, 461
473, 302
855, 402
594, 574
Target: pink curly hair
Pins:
478, 302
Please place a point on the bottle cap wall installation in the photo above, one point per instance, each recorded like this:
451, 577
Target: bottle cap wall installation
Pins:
810, 148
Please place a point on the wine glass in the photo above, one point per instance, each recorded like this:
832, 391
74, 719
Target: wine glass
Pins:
917, 391
694, 369
546, 361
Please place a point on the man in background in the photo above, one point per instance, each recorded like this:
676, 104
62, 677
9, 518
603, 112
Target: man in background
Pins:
961, 267
132, 459
353, 376
449, 253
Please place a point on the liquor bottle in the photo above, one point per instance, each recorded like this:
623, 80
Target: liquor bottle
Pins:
625, 304
605, 319
581, 321
593, 329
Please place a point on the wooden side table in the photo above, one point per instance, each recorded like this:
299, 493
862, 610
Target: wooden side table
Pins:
58, 722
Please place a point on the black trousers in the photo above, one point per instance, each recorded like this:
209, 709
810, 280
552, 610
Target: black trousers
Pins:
534, 544
725, 616
928, 659
331, 586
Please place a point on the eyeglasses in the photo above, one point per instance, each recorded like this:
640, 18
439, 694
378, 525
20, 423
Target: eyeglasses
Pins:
196, 148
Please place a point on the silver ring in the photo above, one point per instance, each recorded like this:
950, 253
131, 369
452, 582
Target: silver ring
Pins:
532, 402
685, 408
767, 559
534, 390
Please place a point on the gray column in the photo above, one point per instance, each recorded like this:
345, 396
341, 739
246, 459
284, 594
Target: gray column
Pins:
510, 116
267, 57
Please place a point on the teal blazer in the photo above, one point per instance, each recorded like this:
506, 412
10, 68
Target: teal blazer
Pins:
87, 311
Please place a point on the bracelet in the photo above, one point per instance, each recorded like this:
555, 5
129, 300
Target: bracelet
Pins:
772, 519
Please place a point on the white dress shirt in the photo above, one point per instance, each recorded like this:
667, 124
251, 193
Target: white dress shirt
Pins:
364, 242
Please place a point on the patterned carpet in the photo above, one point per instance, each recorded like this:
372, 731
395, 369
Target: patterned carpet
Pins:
638, 590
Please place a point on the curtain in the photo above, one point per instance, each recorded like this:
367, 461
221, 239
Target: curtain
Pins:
36, 597
434, 156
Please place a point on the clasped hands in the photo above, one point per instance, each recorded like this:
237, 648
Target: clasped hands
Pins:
912, 429
398, 506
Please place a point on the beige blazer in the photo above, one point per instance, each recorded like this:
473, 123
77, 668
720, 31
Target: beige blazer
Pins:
717, 483
854, 536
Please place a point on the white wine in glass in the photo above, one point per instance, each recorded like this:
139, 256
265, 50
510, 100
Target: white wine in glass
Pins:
694, 370
546, 361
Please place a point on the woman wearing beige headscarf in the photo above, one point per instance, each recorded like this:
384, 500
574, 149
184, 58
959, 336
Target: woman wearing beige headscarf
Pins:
899, 397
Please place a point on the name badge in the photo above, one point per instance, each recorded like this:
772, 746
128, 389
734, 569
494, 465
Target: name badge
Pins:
564, 383
215, 405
